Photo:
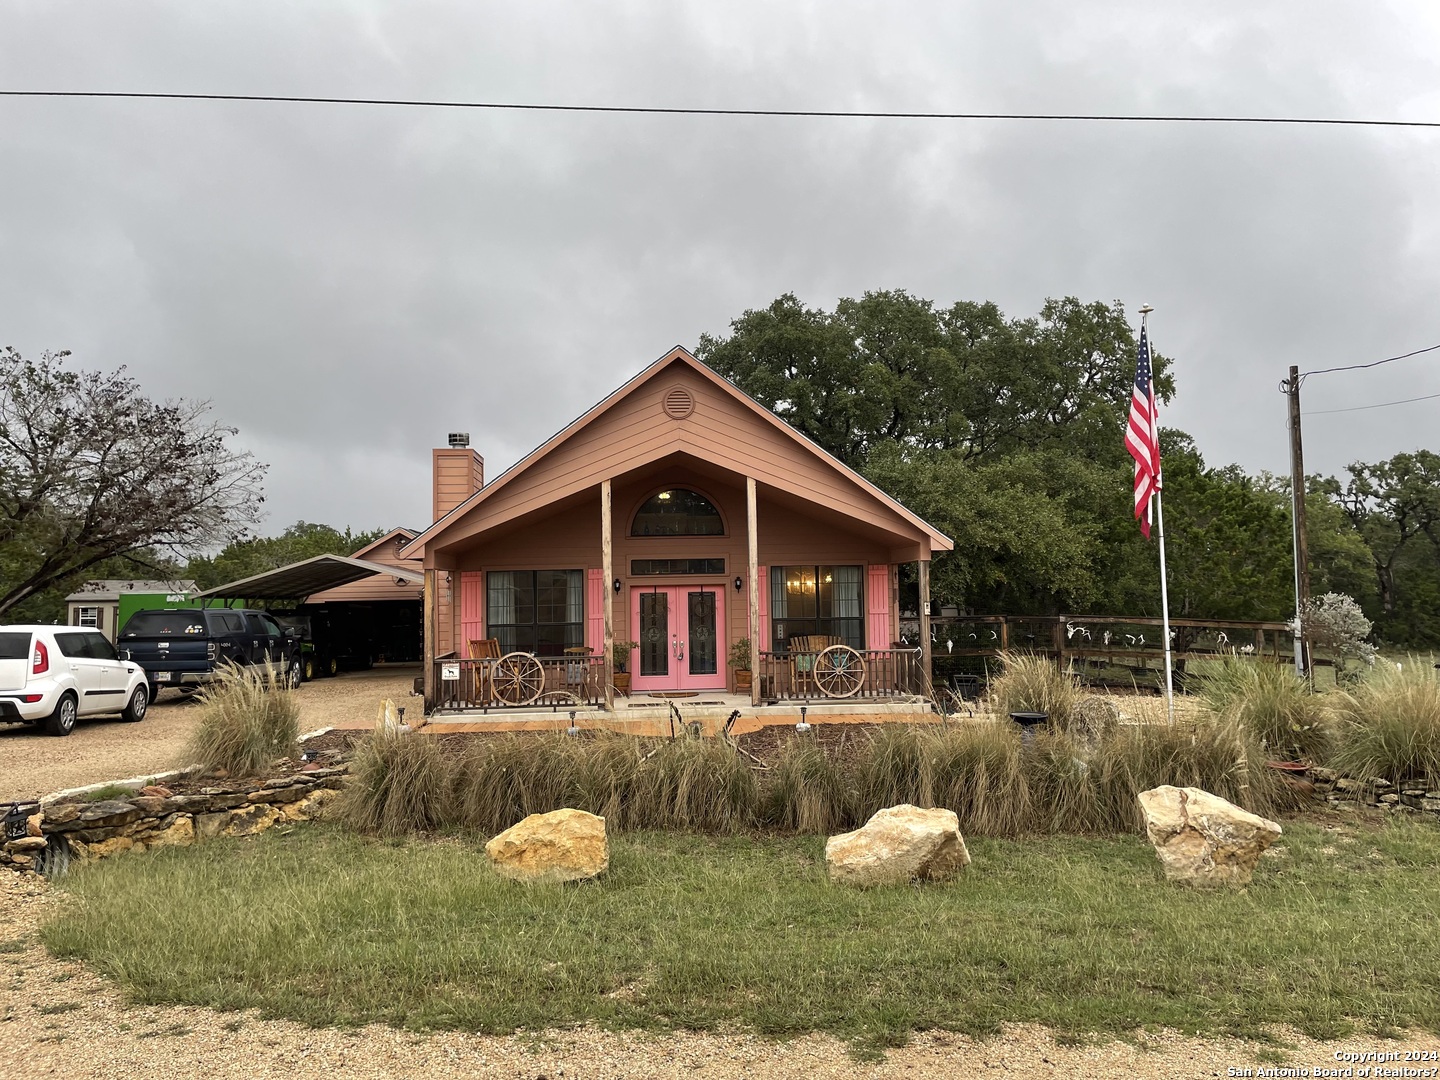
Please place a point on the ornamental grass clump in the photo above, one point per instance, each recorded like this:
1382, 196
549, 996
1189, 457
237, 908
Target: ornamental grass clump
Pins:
248, 720
1388, 727
1270, 700
692, 783
807, 790
399, 783
1032, 683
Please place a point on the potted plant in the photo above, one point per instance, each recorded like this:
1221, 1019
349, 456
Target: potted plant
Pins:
740, 661
620, 654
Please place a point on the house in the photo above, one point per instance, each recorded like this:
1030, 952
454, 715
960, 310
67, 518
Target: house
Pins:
681, 514
98, 604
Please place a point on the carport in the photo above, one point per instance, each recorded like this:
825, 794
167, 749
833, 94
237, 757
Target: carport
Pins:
340, 633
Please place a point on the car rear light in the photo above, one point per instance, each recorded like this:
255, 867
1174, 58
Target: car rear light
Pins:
41, 662
210, 653
30, 699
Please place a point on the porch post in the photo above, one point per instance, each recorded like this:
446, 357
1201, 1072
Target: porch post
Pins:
608, 573
428, 621
925, 650
752, 542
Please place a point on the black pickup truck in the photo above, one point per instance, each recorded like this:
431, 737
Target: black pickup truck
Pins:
184, 646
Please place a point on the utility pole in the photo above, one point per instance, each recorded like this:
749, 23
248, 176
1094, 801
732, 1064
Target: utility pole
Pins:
1297, 522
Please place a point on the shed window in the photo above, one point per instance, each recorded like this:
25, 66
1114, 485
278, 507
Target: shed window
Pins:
677, 512
810, 600
87, 616
536, 611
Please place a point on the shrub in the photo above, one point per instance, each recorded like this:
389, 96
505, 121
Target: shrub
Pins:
1271, 701
1031, 683
399, 783
1334, 621
977, 770
692, 783
248, 719
1388, 727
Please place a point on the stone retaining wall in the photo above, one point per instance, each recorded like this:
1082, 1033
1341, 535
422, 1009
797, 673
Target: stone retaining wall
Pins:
1341, 791
155, 817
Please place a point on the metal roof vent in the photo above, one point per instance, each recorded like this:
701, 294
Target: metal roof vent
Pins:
678, 403
459, 439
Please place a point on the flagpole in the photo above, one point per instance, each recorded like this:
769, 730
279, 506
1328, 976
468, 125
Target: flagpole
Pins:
1160, 531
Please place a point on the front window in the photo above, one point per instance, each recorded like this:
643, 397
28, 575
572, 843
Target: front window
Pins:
817, 600
677, 512
536, 611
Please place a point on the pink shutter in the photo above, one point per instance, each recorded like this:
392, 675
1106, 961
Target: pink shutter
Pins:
595, 611
877, 622
764, 643
472, 609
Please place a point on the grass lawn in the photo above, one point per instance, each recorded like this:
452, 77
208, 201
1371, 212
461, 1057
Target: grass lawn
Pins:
689, 931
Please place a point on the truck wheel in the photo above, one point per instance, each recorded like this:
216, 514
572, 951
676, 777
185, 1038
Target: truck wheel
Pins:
139, 701
293, 674
62, 720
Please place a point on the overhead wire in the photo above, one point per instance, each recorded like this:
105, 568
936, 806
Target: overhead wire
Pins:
655, 110
1381, 405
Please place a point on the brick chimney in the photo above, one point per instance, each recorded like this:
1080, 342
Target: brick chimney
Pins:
458, 473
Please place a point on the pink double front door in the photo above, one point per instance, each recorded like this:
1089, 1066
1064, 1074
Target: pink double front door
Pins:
681, 633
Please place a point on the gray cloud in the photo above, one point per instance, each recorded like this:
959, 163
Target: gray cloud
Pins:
349, 284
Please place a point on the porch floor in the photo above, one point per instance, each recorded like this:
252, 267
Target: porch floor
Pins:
644, 715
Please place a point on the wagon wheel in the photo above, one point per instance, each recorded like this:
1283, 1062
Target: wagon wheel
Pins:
518, 678
839, 671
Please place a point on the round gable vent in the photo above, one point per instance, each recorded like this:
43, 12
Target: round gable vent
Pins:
679, 403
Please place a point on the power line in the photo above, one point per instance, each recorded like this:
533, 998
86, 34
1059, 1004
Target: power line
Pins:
1382, 405
652, 110
1377, 363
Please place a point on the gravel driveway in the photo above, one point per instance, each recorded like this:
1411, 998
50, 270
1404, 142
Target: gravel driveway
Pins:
34, 764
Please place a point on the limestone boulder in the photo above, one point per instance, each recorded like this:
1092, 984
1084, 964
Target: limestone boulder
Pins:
1201, 839
898, 845
563, 845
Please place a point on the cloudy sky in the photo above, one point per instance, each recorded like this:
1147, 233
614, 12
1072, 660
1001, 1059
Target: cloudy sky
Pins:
348, 284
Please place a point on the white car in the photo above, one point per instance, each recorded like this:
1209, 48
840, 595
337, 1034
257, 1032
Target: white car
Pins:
50, 675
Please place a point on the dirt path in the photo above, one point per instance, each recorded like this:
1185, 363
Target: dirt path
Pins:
60, 1019
34, 764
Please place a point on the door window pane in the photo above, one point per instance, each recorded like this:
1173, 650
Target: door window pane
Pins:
654, 634
704, 659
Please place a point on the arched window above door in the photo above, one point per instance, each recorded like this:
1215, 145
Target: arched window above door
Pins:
677, 512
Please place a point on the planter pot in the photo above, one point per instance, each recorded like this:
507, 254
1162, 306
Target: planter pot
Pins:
622, 682
742, 680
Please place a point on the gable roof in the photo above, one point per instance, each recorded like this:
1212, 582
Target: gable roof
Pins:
408, 534
681, 356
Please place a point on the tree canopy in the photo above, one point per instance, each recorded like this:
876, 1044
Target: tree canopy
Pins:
1007, 433
92, 471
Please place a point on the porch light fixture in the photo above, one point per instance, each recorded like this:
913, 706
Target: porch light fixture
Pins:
739, 583
617, 584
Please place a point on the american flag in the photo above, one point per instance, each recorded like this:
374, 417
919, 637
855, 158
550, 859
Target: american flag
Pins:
1142, 436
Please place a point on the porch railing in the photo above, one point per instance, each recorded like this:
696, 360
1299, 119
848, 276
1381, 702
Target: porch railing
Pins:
570, 682
885, 674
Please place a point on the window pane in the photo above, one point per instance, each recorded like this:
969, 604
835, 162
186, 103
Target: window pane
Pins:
72, 644
677, 512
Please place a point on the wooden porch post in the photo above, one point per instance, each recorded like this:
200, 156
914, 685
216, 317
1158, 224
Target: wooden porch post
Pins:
925, 650
752, 541
608, 572
429, 635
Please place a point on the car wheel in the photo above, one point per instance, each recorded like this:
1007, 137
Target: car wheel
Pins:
62, 720
139, 702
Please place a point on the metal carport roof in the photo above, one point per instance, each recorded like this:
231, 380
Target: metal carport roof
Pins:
299, 580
